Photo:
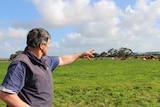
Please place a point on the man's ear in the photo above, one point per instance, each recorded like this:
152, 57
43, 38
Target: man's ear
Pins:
41, 45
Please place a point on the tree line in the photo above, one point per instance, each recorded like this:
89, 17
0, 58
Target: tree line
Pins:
121, 52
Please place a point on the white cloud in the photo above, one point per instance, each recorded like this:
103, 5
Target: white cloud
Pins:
103, 24
100, 25
12, 33
67, 12
140, 22
9, 47
12, 40
55, 45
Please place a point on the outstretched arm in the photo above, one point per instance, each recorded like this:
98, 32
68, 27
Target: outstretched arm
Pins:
67, 59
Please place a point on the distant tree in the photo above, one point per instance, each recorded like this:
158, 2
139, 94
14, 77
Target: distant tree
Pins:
12, 56
96, 55
125, 52
18, 52
103, 54
112, 52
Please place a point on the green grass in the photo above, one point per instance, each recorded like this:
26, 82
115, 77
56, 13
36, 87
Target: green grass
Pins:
3, 69
105, 83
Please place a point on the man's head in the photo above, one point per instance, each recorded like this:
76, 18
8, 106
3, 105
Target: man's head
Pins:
39, 38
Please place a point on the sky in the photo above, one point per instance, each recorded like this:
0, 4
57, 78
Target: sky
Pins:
80, 25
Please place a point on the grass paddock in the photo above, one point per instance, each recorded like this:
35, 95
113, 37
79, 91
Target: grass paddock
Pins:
105, 83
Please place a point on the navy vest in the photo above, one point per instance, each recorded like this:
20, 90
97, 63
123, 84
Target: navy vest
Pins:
38, 89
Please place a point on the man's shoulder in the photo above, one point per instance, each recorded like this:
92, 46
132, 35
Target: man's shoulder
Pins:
20, 57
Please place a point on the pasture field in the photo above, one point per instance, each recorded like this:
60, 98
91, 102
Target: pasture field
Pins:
105, 83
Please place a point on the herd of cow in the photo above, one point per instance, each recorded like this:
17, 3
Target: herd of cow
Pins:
144, 58
150, 58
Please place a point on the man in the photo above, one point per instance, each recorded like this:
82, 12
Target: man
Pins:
28, 82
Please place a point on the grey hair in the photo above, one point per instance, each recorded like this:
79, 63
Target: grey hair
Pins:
37, 36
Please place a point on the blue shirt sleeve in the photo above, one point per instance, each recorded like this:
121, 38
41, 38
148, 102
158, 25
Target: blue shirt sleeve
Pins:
53, 62
15, 77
